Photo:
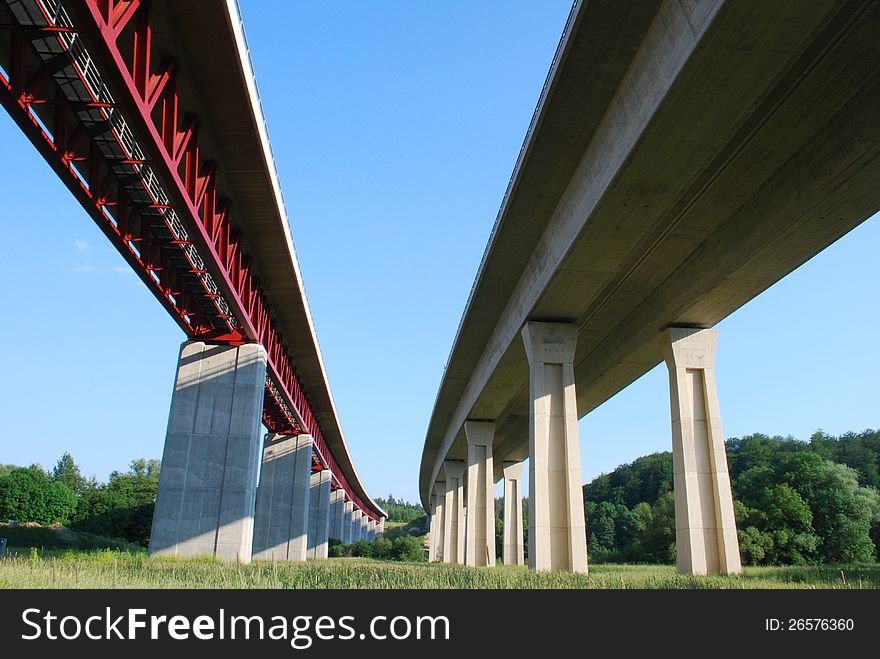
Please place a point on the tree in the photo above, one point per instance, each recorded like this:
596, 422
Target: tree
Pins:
399, 510
67, 471
27, 494
123, 507
655, 526
645, 479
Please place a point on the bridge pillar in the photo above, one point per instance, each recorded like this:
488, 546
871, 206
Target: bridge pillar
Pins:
380, 527
207, 486
557, 531
358, 529
437, 539
281, 519
705, 528
319, 514
337, 504
371, 527
480, 494
364, 522
454, 528
433, 524
347, 509
513, 552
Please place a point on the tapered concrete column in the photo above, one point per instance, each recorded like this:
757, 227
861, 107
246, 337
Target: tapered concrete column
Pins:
454, 529
380, 527
281, 520
371, 527
705, 528
208, 482
319, 514
364, 521
557, 532
433, 523
337, 505
438, 540
347, 508
513, 550
480, 494
356, 525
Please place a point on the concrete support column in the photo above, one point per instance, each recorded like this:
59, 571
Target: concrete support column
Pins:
480, 494
437, 539
347, 508
355, 525
433, 519
371, 527
513, 550
281, 518
705, 528
364, 521
337, 504
454, 529
319, 514
380, 527
557, 532
208, 482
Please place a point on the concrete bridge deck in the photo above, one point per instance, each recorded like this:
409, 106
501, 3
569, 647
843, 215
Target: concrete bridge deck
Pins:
684, 156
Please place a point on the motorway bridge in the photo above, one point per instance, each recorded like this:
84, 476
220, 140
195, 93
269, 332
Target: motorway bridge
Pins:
683, 157
148, 112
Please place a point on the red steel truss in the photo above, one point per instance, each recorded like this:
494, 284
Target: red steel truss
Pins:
81, 81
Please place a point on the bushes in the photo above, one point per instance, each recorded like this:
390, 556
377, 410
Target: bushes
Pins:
27, 494
402, 548
59, 537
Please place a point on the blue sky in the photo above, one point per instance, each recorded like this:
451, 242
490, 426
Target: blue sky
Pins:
396, 126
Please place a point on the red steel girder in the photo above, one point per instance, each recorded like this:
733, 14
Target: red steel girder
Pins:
172, 151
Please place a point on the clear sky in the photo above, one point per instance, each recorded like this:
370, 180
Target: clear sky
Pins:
396, 126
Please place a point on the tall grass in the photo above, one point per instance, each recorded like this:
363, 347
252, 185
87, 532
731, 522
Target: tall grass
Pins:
115, 569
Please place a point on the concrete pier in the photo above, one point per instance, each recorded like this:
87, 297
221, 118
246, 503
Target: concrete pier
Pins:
354, 525
513, 550
319, 514
557, 531
347, 509
207, 486
705, 529
439, 513
282, 511
454, 529
480, 494
337, 508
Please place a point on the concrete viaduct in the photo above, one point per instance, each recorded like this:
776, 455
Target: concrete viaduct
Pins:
148, 111
683, 157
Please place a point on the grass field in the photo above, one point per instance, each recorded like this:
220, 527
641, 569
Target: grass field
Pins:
113, 569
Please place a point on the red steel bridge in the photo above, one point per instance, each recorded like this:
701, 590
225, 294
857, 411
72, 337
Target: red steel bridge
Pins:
150, 115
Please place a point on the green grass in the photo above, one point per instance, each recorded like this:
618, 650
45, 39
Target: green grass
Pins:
116, 569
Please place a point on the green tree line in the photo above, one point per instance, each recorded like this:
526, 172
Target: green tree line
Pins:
120, 508
795, 502
399, 510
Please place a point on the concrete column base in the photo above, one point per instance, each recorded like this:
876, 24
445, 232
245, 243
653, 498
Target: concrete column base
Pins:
282, 513
337, 504
319, 514
557, 531
347, 509
513, 552
480, 494
705, 528
439, 513
208, 482
454, 530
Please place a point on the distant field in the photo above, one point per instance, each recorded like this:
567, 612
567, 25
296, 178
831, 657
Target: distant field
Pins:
113, 569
